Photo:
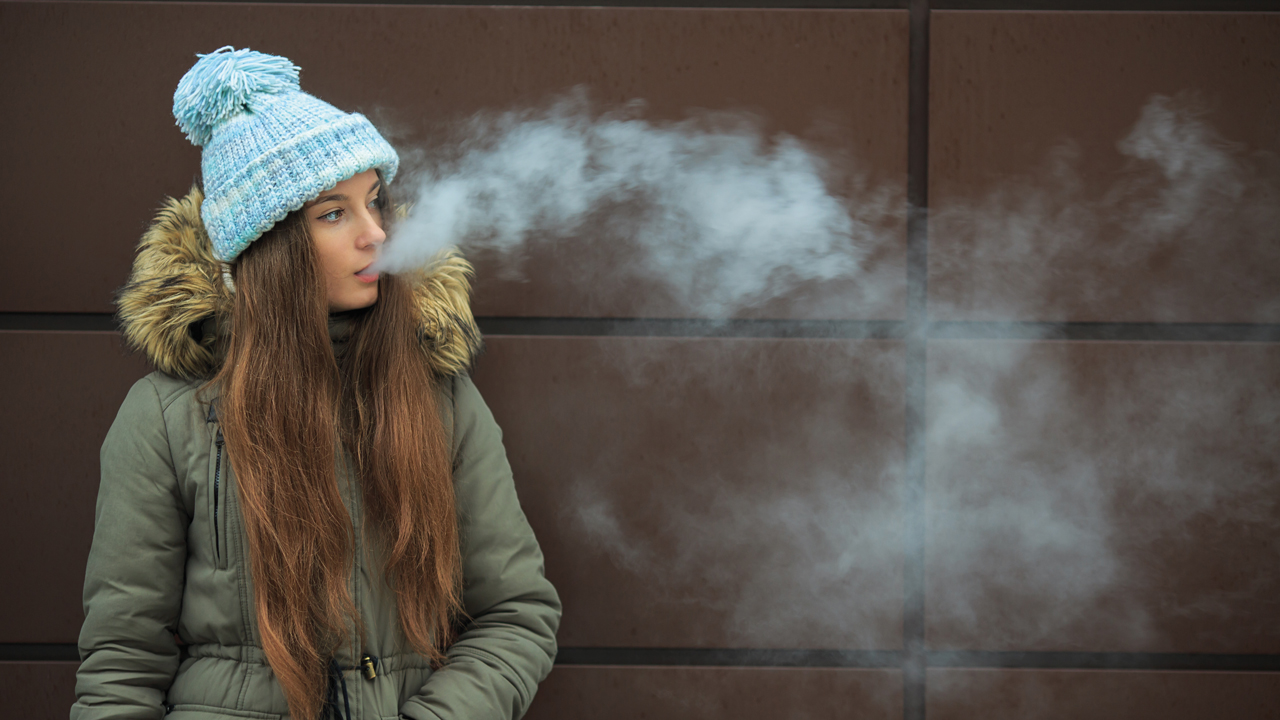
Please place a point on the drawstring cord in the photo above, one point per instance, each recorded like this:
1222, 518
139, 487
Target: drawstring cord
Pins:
331, 701
368, 664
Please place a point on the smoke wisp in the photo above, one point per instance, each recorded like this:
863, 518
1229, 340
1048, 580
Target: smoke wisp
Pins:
1185, 231
719, 214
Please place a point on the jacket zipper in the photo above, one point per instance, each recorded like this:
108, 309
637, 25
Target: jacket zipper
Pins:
217, 476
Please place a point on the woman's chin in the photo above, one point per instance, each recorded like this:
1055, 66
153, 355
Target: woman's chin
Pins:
356, 299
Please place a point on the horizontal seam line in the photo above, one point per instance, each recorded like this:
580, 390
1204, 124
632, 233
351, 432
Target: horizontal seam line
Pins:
934, 659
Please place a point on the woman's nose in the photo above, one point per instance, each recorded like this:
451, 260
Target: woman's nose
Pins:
372, 232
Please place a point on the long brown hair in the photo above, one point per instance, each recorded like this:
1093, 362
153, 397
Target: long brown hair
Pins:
288, 406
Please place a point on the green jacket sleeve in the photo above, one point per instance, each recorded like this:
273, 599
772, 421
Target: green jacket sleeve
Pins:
504, 652
133, 582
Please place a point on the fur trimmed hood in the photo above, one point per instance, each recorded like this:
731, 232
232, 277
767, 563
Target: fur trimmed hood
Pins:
175, 293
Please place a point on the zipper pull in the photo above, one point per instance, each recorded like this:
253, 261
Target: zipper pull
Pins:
367, 663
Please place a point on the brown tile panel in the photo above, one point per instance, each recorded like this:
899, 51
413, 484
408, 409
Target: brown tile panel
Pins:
1038, 211
61, 394
955, 694
837, 78
38, 690
710, 493
1103, 496
676, 693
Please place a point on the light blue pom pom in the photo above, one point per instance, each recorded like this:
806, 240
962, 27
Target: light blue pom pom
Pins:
223, 83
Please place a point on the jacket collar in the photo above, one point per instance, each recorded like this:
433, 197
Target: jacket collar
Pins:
172, 305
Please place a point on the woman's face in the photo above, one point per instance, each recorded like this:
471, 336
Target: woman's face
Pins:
346, 225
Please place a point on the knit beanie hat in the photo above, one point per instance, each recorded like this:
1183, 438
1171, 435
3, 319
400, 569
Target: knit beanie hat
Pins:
268, 147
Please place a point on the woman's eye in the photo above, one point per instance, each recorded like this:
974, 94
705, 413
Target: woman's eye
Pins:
331, 216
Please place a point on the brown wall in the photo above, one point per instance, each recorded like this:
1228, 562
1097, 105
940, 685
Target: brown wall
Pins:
1025, 464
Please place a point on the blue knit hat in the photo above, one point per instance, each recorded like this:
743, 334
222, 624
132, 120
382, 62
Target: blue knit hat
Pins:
268, 147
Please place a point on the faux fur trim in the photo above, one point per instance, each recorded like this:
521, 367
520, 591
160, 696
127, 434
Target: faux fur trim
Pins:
176, 287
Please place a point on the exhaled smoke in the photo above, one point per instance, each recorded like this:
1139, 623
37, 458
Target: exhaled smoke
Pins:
719, 214
1064, 480
1072, 486
1186, 231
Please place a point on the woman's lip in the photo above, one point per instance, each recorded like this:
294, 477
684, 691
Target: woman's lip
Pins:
367, 275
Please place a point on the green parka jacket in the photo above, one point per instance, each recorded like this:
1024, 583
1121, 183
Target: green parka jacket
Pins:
169, 554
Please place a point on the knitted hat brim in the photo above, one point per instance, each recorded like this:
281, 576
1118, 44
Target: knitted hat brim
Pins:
268, 188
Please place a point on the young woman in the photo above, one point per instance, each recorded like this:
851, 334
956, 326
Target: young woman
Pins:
307, 510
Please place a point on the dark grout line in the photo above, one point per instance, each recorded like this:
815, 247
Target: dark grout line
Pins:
672, 4
892, 659
914, 663
58, 322
1104, 661
39, 652
912, 330
1052, 5
1158, 332
675, 327
729, 657
1113, 5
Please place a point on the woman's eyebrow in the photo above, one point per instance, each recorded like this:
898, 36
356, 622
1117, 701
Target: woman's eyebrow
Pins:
340, 197
326, 198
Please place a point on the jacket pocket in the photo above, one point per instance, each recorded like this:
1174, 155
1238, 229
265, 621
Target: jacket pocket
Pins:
187, 711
